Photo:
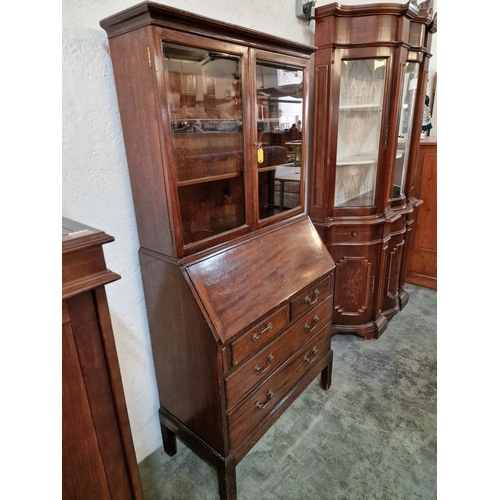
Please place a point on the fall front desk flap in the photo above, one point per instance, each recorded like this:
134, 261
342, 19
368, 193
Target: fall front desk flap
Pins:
251, 278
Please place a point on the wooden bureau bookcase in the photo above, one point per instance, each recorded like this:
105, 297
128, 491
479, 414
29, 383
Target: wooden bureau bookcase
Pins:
238, 284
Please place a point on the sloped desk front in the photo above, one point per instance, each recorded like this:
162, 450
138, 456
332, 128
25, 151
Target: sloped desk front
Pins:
238, 333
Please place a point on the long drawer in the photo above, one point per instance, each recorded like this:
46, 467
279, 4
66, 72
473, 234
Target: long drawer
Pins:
262, 401
268, 359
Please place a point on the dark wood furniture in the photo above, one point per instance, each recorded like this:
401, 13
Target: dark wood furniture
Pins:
238, 284
421, 268
370, 72
98, 456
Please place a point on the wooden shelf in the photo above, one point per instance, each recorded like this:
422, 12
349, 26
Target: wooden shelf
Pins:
274, 167
212, 178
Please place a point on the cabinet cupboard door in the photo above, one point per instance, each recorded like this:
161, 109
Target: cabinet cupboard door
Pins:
354, 286
279, 112
406, 120
206, 128
362, 85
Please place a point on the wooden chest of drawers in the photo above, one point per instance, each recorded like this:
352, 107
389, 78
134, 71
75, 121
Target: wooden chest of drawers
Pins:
237, 334
98, 455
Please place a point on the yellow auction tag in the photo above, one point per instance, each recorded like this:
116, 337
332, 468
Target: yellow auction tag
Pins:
260, 155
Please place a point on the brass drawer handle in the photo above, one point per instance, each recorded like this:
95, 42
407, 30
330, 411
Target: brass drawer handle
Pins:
257, 335
311, 327
263, 369
260, 405
309, 300
311, 359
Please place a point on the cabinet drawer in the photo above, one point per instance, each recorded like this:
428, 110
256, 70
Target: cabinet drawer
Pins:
309, 298
269, 395
355, 234
251, 341
264, 363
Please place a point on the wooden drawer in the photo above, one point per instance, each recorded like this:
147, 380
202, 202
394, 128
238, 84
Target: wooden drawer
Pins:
251, 341
266, 361
268, 396
310, 297
355, 234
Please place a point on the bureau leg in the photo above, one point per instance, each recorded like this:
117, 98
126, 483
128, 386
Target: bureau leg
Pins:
326, 375
226, 473
169, 440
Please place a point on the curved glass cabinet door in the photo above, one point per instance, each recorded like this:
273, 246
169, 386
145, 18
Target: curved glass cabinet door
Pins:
279, 109
205, 113
362, 83
405, 127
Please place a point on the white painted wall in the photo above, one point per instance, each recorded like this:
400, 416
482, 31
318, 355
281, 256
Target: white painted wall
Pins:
95, 183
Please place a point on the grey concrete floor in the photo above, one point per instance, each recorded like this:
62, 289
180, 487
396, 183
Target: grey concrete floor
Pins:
371, 436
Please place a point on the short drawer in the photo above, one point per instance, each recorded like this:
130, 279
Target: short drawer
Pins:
265, 362
261, 402
355, 234
310, 297
250, 342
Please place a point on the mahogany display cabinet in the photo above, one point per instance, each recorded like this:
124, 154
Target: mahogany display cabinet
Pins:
238, 283
369, 82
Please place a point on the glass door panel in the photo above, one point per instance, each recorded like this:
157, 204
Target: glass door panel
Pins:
405, 127
362, 85
279, 108
205, 113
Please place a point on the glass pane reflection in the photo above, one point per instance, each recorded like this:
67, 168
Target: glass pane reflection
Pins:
405, 127
205, 112
279, 109
360, 118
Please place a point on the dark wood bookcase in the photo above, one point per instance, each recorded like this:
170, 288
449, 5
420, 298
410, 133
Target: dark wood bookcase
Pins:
369, 86
238, 283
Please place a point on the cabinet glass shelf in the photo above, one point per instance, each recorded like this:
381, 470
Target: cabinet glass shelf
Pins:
361, 107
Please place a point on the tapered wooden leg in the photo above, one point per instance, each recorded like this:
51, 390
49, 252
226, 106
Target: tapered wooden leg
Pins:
169, 441
326, 375
226, 473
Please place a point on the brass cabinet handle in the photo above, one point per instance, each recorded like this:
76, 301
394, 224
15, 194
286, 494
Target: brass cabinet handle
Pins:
309, 300
258, 335
260, 405
263, 369
311, 327
311, 359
